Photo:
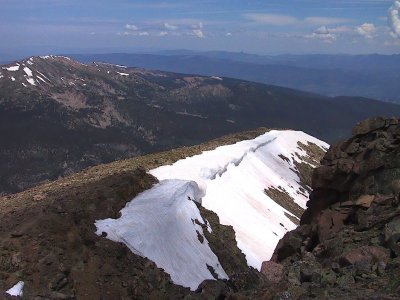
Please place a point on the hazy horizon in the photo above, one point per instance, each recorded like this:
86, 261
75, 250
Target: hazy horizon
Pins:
273, 28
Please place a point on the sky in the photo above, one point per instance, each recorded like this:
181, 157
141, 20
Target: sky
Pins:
30, 27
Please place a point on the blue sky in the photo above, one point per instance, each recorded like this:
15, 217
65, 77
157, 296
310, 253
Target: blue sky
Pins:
264, 27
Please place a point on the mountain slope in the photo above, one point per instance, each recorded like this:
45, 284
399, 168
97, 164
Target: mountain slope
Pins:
230, 181
371, 76
48, 238
58, 116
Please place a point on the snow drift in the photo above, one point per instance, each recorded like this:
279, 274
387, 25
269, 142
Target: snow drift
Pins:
230, 181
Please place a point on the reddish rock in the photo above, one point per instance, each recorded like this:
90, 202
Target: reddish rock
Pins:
365, 200
366, 255
322, 175
273, 271
330, 222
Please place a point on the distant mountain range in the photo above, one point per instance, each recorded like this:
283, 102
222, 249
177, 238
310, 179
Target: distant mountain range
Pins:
58, 116
372, 76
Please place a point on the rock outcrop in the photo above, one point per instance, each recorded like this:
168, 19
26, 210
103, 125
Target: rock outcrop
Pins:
348, 244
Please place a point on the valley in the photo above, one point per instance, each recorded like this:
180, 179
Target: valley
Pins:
59, 116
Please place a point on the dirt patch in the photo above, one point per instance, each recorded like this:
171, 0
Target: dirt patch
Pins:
305, 168
314, 152
281, 197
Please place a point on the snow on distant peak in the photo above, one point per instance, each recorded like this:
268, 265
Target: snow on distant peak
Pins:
16, 290
162, 224
45, 77
54, 57
28, 71
12, 69
31, 80
231, 181
123, 74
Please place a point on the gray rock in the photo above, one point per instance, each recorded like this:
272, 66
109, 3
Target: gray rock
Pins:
369, 125
392, 235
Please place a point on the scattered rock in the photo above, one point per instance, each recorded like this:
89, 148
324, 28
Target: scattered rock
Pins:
272, 271
365, 256
392, 236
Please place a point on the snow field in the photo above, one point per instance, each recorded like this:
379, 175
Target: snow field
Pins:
230, 181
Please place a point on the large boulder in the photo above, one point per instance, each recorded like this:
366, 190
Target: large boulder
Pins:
272, 271
368, 125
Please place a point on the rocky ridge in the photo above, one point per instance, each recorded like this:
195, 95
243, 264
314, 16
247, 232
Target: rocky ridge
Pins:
348, 244
59, 116
48, 240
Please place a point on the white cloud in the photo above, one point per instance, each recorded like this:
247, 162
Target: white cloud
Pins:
272, 19
228, 33
162, 33
134, 33
281, 20
323, 34
170, 26
341, 29
367, 30
198, 32
198, 25
325, 20
131, 27
394, 19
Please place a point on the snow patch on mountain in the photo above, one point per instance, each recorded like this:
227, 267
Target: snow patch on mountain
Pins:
44, 76
31, 81
41, 79
16, 290
233, 178
162, 224
230, 180
54, 57
28, 71
12, 68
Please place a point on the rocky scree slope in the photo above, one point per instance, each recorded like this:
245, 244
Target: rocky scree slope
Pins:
58, 116
48, 240
348, 244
